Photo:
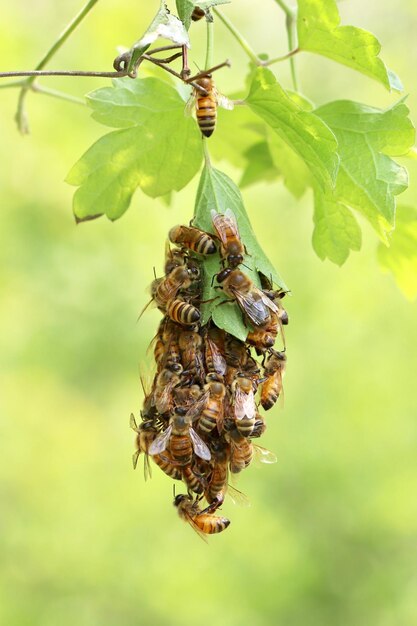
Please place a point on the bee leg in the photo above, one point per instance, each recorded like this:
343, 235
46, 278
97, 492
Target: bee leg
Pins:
213, 506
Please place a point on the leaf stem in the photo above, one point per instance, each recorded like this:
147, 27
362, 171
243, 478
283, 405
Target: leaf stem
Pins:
210, 44
15, 83
289, 12
290, 24
54, 93
285, 57
21, 117
238, 36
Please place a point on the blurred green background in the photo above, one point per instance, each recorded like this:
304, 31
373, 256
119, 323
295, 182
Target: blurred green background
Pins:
330, 538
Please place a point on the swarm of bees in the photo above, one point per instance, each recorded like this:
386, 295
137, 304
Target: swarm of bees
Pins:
201, 416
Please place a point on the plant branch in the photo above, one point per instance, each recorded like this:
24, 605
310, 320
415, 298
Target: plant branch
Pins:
238, 36
21, 118
34, 73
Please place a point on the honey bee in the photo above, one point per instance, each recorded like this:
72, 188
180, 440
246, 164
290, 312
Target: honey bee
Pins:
206, 106
204, 522
172, 356
254, 304
186, 396
163, 388
190, 343
232, 249
182, 312
193, 238
241, 451
145, 435
173, 258
219, 476
259, 427
245, 411
213, 412
197, 14
274, 369
181, 438
215, 361
164, 290
263, 338
192, 479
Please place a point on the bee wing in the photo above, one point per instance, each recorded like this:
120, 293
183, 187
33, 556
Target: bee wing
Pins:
189, 107
163, 401
254, 308
147, 472
132, 423
160, 443
237, 497
197, 407
135, 458
267, 301
200, 448
262, 455
221, 222
219, 362
194, 526
224, 102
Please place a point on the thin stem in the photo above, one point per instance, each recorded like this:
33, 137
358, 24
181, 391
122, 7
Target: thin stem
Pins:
206, 152
210, 44
284, 6
20, 114
285, 57
291, 27
290, 23
171, 71
238, 36
54, 93
15, 83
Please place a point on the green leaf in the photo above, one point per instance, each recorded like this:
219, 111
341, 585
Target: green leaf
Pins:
296, 176
401, 257
236, 133
260, 166
158, 148
368, 178
319, 31
304, 133
163, 25
184, 10
217, 191
336, 231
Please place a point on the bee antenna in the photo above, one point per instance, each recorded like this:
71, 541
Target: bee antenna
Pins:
154, 272
173, 490
247, 267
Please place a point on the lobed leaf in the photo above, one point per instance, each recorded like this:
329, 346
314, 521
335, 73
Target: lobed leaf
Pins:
217, 191
319, 31
368, 178
336, 231
401, 257
303, 131
157, 148
260, 166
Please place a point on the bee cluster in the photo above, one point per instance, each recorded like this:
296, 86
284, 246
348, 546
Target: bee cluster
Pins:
200, 418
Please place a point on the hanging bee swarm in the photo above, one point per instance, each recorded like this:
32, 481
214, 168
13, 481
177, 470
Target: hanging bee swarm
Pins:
200, 417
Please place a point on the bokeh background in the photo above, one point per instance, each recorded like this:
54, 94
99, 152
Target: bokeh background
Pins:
330, 538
